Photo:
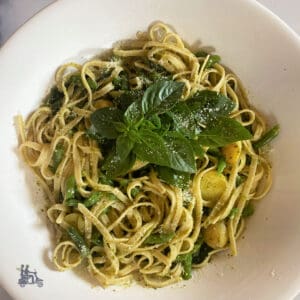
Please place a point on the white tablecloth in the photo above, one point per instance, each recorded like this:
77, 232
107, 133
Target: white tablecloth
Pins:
13, 13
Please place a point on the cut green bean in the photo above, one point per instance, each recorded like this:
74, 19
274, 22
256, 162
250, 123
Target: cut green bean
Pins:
240, 179
234, 211
93, 199
79, 241
213, 59
135, 191
267, 137
186, 262
221, 165
58, 156
93, 84
70, 188
159, 238
72, 202
97, 238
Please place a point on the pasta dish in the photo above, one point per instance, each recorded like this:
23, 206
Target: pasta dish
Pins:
151, 158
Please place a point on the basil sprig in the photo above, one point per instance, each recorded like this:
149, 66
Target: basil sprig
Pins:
161, 129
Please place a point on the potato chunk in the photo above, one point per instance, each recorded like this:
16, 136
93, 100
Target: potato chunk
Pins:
212, 185
216, 235
103, 103
232, 153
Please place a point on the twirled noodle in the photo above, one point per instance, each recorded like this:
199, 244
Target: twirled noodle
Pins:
125, 219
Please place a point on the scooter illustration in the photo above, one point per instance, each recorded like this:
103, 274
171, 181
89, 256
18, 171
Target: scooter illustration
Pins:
29, 277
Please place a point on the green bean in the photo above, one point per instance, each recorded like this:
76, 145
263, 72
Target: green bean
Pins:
267, 137
72, 202
93, 199
79, 241
159, 238
70, 188
58, 156
221, 164
186, 262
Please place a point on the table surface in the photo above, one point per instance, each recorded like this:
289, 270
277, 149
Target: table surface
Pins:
14, 13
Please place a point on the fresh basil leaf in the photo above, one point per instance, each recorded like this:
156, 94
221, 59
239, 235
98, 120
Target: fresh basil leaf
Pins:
184, 119
172, 150
161, 96
120, 126
207, 106
128, 97
146, 124
198, 150
222, 132
155, 120
133, 113
114, 166
167, 123
93, 134
134, 135
124, 146
152, 148
181, 154
103, 121
152, 123
173, 177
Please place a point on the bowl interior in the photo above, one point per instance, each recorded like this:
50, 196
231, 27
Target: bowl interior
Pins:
256, 45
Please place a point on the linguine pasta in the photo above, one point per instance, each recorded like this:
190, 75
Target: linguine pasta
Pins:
137, 225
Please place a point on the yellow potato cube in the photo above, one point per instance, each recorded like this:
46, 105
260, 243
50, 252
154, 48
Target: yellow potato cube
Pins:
232, 153
213, 185
216, 235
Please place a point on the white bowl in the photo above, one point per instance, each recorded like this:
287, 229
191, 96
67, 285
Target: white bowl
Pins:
265, 54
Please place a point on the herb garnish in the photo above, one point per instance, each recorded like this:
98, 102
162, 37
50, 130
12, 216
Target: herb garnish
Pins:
159, 128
